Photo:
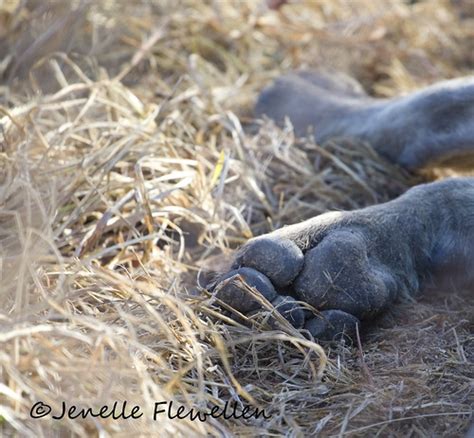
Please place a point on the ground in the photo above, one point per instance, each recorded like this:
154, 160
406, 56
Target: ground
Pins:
131, 164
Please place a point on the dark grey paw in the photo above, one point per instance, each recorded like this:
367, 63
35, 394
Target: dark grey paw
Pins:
337, 277
346, 265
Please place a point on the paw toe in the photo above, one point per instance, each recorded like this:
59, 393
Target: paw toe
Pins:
332, 325
289, 308
279, 259
234, 294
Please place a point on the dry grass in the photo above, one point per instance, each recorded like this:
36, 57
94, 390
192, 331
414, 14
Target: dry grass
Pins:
125, 170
